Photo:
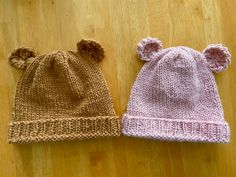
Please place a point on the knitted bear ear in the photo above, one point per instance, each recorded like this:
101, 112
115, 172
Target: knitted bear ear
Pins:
91, 49
147, 48
217, 57
20, 58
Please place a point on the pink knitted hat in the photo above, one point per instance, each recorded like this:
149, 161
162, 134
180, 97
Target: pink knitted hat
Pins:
175, 96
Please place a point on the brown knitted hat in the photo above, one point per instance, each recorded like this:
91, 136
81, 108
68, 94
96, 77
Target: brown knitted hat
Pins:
61, 96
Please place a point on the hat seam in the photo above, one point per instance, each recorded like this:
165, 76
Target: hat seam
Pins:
63, 129
175, 130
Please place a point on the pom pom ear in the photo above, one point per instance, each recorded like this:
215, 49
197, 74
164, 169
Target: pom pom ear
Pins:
20, 58
217, 57
147, 48
91, 49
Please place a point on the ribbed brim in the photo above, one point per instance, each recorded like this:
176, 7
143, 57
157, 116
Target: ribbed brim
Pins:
64, 129
175, 129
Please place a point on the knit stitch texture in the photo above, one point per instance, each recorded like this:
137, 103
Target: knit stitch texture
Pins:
62, 95
175, 96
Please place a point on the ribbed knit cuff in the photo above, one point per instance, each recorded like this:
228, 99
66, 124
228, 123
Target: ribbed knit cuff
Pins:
50, 130
176, 130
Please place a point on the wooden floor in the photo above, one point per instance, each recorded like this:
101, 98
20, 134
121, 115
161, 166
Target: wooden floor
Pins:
118, 25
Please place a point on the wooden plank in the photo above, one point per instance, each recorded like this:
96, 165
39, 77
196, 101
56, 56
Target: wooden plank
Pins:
118, 25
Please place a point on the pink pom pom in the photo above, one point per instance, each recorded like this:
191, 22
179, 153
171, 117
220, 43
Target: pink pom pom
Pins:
217, 56
147, 47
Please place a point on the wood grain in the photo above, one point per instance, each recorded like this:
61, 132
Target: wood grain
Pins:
118, 25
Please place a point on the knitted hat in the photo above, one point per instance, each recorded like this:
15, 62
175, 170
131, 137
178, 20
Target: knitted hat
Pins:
62, 95
175, 96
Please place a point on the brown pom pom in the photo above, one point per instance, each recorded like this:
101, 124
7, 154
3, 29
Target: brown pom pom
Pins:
91, 49
20, 58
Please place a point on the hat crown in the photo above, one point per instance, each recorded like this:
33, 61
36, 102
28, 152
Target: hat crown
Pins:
66, 82
178, 78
